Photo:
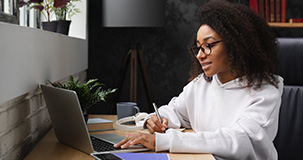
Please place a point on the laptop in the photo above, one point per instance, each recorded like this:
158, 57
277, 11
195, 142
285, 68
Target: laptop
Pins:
70, 128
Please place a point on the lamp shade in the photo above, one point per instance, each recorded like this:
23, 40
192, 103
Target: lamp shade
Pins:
133, 13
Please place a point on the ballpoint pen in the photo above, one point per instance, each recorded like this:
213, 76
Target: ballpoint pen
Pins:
158, 115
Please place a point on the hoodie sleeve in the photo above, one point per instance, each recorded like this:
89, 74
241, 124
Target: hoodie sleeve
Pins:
250, 137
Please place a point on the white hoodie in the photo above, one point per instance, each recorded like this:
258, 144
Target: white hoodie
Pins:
229, 120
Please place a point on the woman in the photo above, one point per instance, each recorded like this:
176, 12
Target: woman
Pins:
232, 101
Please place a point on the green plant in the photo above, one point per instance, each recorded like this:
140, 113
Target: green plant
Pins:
65, 7
60, 8
88, 94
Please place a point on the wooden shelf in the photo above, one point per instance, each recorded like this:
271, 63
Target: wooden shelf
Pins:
285, 25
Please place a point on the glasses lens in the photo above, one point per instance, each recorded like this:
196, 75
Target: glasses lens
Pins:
207, 49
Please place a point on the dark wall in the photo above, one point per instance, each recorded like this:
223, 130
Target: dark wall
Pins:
164, 48
165, 52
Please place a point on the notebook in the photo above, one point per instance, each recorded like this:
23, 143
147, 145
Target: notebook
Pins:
69, 125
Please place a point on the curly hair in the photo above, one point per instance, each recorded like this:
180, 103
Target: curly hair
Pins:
249, 42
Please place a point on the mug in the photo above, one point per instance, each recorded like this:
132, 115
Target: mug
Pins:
126, 109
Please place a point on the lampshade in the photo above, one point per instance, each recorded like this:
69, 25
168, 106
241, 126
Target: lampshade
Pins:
133, 13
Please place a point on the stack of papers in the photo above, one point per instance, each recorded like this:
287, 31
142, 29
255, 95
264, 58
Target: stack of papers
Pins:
98, 120
99, 124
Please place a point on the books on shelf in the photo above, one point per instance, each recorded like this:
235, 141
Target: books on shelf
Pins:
270, 10
296, 20
283, 11
99, 124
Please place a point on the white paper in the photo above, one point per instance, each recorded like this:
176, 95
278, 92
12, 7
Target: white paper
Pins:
98, 120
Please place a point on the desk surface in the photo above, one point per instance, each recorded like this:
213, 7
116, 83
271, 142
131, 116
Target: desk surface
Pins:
49, 148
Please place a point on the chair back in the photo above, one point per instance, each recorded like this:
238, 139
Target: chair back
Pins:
289, 140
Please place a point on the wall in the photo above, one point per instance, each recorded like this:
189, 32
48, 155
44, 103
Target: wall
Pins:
30, 57
165, 52
24, 121
78, 27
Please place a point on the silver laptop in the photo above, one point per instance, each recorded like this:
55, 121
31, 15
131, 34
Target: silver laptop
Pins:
69, 125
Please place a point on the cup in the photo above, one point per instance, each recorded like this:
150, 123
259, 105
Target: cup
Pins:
126, 109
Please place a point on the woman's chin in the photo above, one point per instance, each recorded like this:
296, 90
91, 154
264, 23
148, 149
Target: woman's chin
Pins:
208, 74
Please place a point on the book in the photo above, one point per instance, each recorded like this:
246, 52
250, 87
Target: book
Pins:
143, 156
272, 13
296, 20
261, 8
267, 10
283, 11
278, 10
99, 124
254, 5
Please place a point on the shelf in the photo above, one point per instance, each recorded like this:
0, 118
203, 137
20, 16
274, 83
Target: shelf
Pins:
285, 25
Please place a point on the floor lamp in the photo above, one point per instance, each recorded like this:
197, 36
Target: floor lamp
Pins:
133, 13
134, 58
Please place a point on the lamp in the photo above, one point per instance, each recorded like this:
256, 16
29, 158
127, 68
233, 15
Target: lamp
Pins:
133, 13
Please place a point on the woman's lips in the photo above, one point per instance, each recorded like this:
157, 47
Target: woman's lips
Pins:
206, 65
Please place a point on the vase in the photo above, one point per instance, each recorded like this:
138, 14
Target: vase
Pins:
50, 26
63, 27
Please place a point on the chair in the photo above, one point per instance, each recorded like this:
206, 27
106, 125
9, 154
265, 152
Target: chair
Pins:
289, 140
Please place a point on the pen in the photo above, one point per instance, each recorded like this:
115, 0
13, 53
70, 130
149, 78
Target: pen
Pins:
158, 115
157, 112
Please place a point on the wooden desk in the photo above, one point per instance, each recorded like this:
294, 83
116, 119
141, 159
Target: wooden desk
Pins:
51, 149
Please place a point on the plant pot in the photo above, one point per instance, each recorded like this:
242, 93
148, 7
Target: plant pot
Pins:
63, 27
50, 26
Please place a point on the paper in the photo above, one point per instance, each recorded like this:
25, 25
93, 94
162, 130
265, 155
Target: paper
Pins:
98, 120
143, 156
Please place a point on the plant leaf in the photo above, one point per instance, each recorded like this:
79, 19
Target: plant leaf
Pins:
89, 93
60, 3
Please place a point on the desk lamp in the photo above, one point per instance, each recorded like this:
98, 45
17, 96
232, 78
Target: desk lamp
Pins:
133, 13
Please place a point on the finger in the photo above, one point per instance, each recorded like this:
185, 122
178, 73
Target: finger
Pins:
164, 124
165, 121
150, 129
157, 123
146, 140
119, 144
152, 124
130, 138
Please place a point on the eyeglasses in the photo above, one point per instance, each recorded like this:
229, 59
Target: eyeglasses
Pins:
205, 47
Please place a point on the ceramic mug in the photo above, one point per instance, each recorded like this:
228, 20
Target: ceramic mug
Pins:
126, 109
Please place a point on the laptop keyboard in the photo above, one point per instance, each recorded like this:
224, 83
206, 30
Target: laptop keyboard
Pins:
101, 145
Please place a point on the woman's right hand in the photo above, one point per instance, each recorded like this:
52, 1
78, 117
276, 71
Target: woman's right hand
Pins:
154, 125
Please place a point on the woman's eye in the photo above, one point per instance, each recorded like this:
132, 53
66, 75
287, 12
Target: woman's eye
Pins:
210, 45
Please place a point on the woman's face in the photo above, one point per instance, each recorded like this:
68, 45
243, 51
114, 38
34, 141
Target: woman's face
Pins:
216, 62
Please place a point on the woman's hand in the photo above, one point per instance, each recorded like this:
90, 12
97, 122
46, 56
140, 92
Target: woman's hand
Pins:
147, 140
154, 125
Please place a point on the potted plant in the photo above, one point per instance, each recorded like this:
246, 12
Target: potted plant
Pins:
61, 8
89, 93
46, 7
64, 8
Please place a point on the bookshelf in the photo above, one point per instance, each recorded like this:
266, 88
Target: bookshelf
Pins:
285, 25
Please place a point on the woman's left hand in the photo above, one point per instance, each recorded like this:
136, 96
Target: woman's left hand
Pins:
147, 140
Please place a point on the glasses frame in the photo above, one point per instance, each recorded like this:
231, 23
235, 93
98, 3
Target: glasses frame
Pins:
196, 49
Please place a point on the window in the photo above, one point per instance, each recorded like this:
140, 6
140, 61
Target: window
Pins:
9, 11
29, 17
